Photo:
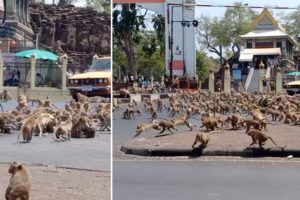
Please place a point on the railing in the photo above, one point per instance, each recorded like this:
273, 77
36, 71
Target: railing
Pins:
48, 75
18, 74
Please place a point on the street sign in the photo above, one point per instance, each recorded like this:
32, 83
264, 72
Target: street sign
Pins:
237, 75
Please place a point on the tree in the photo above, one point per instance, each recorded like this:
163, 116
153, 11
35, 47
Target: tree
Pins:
129, 25
216, 34
66, 2
126, 26
99, 5
291, 23
203, 65
237, 21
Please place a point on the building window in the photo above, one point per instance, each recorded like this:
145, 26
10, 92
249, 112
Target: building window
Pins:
264, 44
249, 44
278, 44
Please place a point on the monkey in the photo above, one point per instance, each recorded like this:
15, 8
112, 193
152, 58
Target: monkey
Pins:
5, 96
235, 120
159, 105
257, 115
210, 123
128, 113
202, 138
143, 127
22, 102
105, 120
255, 124
275, 114
252, 123
63, 131
124, 92
154, 115
3, 127
290, 116
19, 184
83, 126
259, 136
182, 120
167, 125
82, 98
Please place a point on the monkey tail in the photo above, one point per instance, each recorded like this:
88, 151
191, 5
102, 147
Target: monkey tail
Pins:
276, 143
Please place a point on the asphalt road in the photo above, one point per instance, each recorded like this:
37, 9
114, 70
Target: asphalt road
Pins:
205, 180
92, 153
125, 129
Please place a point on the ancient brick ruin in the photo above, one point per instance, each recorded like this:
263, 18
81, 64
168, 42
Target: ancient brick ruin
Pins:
79, 32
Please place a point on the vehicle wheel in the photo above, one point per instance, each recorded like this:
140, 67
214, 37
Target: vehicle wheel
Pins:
291, 93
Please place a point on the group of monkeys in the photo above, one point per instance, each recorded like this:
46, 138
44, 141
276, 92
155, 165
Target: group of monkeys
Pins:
76, 120
240, 109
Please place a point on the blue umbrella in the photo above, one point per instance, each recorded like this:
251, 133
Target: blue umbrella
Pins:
39, 54
293, 74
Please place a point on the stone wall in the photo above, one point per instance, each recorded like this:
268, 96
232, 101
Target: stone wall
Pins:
79, 32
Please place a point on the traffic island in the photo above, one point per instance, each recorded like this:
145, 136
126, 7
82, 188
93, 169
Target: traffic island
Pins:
223, 142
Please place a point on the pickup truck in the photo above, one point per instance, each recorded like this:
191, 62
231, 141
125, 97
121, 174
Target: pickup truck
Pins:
95, 82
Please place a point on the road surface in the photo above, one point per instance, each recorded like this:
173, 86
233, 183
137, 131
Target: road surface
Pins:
84, 153
205, 180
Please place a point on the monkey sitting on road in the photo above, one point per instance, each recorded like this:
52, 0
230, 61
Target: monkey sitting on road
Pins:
261, 137
202, 138
5, 96
19, 184
63, 131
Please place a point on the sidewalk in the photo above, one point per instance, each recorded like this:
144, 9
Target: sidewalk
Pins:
222, 143
49, 182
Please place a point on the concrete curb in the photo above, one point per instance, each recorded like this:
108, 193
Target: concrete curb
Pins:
250, 152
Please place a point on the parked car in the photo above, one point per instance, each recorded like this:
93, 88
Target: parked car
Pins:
292, 87
95, 82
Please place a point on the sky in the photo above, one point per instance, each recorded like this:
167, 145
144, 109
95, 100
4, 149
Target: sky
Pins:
79, 3
219, 12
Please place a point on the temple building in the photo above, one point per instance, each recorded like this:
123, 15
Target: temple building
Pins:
267, 42
17, 33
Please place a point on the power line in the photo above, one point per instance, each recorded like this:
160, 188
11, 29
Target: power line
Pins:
234, 6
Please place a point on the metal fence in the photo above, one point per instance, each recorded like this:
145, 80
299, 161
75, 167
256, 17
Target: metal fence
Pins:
16, 74
47, 74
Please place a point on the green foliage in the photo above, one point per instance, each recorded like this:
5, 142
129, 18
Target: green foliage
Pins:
203, 65
238, 21
99, 5
148, 57
217, 34
130, 36
292, 23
